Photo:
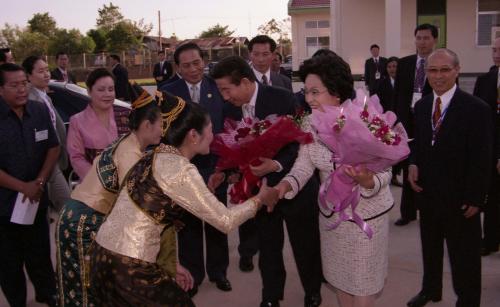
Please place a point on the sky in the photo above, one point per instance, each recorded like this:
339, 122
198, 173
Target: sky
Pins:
185, 18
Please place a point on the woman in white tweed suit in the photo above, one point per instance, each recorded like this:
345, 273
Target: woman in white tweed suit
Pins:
352, 263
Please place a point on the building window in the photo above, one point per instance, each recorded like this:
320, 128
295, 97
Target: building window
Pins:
488, 21
317, 24
315, 43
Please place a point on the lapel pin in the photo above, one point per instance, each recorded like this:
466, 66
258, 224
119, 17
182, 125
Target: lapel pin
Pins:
209, 95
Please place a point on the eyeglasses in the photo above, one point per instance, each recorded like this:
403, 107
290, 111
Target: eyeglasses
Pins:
442, 70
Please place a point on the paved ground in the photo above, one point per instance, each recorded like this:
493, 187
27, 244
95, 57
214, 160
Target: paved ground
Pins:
405, 272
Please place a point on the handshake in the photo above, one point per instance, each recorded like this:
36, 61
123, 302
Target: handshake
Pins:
268, 196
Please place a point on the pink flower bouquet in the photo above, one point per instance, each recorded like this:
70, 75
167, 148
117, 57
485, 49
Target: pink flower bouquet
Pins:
359, 134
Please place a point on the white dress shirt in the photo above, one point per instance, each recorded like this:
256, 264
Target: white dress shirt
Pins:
259, 75
445, 99
248, 109
192, 92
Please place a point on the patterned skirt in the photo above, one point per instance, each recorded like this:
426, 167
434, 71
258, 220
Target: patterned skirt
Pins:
76, 230
121, 281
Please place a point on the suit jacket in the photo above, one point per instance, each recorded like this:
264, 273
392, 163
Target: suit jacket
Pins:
385, 93
57, 75
212, 101
280, 80
265, 106
486, 88
165, 72
370, 70
403, 91
455, 171
121, 82
60, 129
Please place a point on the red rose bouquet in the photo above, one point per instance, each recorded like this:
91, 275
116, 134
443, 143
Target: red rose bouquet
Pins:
242, 143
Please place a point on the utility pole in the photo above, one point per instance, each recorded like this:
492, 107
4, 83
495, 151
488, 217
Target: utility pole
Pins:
159, 31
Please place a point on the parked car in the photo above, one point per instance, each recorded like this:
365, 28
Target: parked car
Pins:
287, 66
69, 99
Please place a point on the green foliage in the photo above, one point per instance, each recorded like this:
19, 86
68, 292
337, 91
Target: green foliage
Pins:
99, 38
9, 35
216, 31
42, 23
29, 43
109, 17
71, 42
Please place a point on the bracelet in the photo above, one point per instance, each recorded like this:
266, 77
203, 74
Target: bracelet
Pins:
41, 181
256, 201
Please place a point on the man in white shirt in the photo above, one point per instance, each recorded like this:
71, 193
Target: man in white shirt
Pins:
262, 49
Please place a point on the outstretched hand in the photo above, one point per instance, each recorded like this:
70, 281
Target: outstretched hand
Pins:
268, 196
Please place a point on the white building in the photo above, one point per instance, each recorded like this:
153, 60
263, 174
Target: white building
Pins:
349, 27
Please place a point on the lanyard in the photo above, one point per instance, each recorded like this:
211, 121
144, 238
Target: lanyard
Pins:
437, 127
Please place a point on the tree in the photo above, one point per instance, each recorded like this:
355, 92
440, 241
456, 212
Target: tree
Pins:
29, 43
109, 17
216, 31
99, 38
9, 34
122, 37
42, 23
278, 30
70, 42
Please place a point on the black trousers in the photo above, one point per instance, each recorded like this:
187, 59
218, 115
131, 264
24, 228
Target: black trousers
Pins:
491, 223
249, 239
408, 199
463, 239
301, 219
191, 248
26, 246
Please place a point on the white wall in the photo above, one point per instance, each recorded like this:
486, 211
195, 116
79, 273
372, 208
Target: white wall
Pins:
299, 34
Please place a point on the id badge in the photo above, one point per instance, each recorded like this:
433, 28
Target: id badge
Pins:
41, 135
377, 75
416, 97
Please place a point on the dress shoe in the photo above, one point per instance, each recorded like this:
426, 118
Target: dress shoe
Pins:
313, 300
246, 264
222, 284
192, 292
402, 222
421, 299
270, 304
485, 251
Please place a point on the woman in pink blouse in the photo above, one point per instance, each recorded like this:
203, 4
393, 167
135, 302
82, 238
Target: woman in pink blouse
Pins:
93, 129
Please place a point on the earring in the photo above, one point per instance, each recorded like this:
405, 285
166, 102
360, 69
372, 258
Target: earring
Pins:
194, 143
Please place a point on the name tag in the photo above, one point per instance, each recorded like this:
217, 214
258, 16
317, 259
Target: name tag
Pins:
41, 135
377, 75
416, 97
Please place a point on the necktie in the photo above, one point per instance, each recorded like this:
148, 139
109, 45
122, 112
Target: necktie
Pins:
249, 110
65, 76
419, 77
436, 115
195, 93
264, 80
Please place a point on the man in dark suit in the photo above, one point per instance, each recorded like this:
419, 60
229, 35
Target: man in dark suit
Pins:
163, 70
6, 56
198, 88
61, 72
238, 85
375, 70
121, 78
488, 89
450, 166
410, 86
261, 49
